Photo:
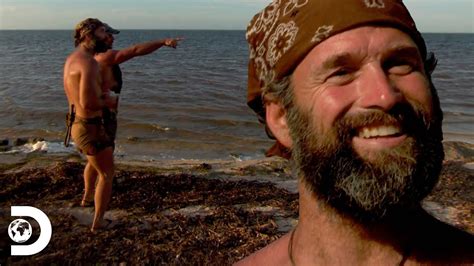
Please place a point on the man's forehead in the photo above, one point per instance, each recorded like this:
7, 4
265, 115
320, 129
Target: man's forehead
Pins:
361, 41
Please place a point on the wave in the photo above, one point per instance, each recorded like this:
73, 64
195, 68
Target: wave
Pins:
42, 146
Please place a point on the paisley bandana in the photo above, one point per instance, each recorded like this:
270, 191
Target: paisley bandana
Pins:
284, 32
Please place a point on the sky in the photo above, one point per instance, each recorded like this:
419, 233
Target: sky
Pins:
430, 15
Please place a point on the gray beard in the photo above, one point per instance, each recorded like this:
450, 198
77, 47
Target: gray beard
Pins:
368, 191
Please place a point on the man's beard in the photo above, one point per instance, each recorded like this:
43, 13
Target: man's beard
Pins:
368, 190
98, 45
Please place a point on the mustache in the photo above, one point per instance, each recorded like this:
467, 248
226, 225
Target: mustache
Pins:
405, 116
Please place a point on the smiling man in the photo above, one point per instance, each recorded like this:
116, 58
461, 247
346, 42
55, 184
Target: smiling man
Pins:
344, 87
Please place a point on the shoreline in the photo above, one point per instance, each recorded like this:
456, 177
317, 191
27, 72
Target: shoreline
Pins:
455, 151
132, 149
180, 211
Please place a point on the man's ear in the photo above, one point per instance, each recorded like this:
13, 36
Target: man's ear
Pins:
276, 122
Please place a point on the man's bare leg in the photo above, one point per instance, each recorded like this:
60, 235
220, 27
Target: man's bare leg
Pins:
103, 162
90, 177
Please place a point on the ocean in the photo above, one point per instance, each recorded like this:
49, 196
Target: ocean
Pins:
188, 103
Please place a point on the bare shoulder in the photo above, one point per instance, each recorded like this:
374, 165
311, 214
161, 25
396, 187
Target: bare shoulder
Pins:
274, 254
72, 62
445, 243
78, 64
107, 57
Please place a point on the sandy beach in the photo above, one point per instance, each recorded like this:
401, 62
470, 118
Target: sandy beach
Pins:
184, 211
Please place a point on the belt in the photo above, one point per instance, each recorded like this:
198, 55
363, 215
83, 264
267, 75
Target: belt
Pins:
94, 120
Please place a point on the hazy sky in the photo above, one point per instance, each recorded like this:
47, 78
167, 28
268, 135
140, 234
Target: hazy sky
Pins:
430, 15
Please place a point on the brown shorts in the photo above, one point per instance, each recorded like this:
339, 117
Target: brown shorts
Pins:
90, 136
110, 123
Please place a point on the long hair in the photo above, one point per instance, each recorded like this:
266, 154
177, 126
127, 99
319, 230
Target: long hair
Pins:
85, 28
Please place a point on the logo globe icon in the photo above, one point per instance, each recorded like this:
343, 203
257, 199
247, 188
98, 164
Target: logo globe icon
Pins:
20, 230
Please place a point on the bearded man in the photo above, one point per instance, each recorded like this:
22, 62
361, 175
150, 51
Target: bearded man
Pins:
344, 86
82, 84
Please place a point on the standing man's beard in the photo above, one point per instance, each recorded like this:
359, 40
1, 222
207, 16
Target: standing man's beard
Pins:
368, 190
99, 46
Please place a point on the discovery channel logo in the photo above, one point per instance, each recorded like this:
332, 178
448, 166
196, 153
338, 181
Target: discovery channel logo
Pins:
20, 231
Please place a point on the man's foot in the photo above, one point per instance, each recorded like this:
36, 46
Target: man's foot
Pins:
104, 225
87, 203
83, 203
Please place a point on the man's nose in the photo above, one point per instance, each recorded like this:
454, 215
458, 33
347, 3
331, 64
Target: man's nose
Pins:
378, 91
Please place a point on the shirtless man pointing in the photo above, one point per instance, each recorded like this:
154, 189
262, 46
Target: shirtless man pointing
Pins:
111, 74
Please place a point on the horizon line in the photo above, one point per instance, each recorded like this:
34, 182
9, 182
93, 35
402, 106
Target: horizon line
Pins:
452, 32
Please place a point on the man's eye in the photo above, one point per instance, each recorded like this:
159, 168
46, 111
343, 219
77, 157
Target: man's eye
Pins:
401, 67
342, 75
341, 72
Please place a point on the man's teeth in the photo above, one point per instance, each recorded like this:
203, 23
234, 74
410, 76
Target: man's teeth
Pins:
380, 131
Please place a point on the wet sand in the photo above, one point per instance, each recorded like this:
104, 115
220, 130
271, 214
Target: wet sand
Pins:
184, 212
